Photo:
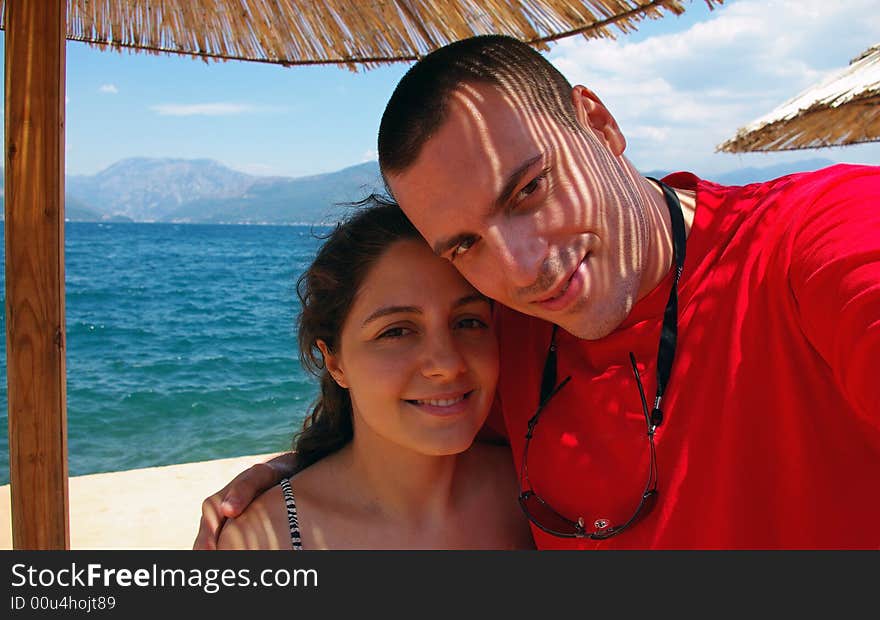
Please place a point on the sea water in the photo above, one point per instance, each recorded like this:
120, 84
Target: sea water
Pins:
181, 343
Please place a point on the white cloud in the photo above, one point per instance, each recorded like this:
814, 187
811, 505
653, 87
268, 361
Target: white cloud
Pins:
110, 89
676, 96
202, 109
369, 155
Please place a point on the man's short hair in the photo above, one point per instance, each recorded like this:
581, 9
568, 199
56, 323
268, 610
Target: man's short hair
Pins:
418, 106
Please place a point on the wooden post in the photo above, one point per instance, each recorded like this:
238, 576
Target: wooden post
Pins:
35, 348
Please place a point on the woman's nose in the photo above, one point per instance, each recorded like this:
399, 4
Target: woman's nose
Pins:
443, 358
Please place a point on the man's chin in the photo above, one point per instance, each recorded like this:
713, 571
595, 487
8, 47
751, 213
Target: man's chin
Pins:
586, 332
586, 323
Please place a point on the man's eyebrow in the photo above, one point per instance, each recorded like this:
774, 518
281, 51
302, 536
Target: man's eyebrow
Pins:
514, 179
385, 311
442, 246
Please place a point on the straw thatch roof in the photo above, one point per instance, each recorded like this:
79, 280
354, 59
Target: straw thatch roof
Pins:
298, 32
843, 109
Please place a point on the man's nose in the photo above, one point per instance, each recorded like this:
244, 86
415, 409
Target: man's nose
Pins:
521, 252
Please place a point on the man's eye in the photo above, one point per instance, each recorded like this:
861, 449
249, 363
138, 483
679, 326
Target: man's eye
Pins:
462, 247
530, 188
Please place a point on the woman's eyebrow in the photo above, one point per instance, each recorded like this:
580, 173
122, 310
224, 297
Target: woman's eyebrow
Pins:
386, 310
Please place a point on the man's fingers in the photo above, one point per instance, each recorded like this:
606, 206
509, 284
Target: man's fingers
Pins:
231, 507
204, 541
210, 523
245, 487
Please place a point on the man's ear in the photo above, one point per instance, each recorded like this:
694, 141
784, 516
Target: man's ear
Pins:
331, 363
593, 115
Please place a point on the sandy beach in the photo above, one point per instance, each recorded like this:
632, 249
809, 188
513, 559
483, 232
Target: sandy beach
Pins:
151, 508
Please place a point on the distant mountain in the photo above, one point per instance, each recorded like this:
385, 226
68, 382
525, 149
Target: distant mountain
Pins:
149, 189
205, 191
76, 211
312, 199
744, 176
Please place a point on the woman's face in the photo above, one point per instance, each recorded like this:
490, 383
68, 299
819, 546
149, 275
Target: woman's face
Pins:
418, 353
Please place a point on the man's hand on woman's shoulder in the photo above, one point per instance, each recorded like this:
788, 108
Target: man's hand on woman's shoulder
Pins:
231, 500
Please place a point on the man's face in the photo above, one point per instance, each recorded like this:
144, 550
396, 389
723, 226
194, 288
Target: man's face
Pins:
535, 214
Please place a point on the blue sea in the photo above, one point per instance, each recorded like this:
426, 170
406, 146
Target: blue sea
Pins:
181, 343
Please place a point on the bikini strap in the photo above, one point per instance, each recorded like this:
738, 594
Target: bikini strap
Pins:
295, 538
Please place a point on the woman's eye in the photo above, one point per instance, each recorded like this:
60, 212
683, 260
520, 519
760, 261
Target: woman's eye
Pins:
394, 332
472, 324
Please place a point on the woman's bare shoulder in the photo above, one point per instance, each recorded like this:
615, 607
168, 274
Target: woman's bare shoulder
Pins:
263, 525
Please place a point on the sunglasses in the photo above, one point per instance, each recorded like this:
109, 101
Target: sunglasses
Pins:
550, 520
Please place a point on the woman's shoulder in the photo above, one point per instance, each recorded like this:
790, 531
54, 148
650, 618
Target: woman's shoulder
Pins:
261, 526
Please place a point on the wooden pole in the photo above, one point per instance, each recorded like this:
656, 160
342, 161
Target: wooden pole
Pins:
35, 345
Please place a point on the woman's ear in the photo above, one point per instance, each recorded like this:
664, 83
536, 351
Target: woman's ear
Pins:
593, 115
331, 363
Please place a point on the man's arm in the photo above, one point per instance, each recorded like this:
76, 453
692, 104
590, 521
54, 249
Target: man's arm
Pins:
835, 277
231, 500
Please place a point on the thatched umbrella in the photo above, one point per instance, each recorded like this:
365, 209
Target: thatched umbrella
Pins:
842, 109
348, 32
286, 32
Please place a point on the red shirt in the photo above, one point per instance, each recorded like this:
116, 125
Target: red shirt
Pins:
771, 436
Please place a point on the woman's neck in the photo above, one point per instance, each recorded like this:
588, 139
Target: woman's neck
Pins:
403, 485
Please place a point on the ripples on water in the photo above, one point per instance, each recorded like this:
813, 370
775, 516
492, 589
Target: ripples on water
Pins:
181, 343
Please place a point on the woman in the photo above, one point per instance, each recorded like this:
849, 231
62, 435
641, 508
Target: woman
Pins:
407, 361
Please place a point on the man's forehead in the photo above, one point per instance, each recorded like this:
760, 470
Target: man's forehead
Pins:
485, 108
480, 142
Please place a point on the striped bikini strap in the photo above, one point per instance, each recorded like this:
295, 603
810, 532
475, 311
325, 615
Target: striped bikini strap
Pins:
295, 539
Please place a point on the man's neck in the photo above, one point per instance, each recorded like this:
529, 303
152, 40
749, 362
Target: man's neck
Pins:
659, 242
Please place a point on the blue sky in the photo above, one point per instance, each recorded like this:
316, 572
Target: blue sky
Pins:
677, 87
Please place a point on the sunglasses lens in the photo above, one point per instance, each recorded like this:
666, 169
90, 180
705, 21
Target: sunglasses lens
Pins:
545, 517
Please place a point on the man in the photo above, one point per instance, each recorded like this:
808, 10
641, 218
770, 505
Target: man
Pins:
711, 383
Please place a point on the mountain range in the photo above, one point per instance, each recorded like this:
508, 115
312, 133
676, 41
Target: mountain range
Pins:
205, 191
